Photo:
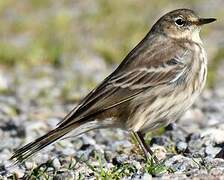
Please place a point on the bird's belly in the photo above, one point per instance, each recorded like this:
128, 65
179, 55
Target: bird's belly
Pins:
164, 110
165, 104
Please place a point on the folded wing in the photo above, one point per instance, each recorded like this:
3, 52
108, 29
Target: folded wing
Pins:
145, 67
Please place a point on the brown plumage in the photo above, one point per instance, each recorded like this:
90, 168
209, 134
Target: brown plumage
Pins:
157, 81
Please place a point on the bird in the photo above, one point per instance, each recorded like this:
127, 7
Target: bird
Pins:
152, 87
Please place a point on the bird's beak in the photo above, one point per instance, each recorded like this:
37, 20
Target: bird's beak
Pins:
202, 21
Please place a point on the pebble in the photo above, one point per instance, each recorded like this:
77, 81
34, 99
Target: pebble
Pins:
212, 151
180, 163
29, 165
147, 176
3, 177
56, 164
175, 136
18, 172
181, 147
119, 160
159, 151
77, 143
160, 140
136, 164
85, 154
216, 135
171, 127
195, 145
213, 162
108, 155
68, 175
193, 137
218, 171
68, 151
220, 154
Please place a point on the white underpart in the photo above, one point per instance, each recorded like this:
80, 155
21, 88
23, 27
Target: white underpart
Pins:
196, 36
148, 118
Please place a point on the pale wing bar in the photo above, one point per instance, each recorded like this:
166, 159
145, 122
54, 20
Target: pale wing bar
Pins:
144, 78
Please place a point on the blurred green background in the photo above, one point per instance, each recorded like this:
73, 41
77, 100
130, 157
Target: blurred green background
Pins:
40, 32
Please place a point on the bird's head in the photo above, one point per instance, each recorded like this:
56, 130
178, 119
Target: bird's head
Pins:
181, 24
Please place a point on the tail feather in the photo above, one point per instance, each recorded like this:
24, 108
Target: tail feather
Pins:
30, 149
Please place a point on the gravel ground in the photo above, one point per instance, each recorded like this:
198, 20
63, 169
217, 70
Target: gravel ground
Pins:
34, 99
35, 103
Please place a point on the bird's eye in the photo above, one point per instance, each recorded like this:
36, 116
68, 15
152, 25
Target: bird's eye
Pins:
180, 22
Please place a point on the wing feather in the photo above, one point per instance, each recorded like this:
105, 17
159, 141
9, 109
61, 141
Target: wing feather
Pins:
137, 73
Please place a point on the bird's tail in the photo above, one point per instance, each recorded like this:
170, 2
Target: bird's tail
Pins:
30, 149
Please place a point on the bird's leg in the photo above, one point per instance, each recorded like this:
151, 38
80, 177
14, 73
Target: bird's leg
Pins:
147, 151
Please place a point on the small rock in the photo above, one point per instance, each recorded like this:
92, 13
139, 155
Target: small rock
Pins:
218, 171
175, 136
77, 143
136, 164
171, 127
147, 176
21, 132
3, 177
211, 162
119, 160
193, 136
108, 156
85, 154
68, 151
194, 146
65, 175
197, 173
85, 146
216, 135
4, 154
19, 173
181, 147
160, 140
160, 152
180, 163
56, 164
42, 157
29, 165
121, 145
220, 154
88, 140
212, 151
3, 169
134, 176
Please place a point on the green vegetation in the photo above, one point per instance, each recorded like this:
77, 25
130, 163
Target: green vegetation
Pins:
38, 32
213, 66
126, 169
156, 169
99, 171
116, 172
42, 171
48, 171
